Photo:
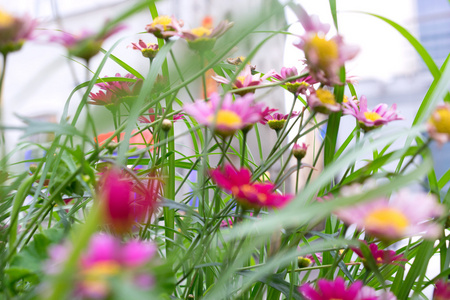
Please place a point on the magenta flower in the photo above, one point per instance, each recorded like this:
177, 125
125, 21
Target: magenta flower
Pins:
442, 290
323, 101
337, 289
382, 257
245, 79
238, 182
14, 31
164, 27
398, 218
231, 115
276, 121
438, 125
323, 56
147, 50
115, 92
84, 44
369, 120
297, 86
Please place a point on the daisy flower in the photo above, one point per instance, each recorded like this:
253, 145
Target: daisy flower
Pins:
439, 124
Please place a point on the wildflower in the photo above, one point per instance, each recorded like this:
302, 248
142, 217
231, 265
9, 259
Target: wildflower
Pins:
337, 289
164, 27
244, 79
442, 290
86, 44
203, 38
323, 101
231, 116
382, 257
323, 56
397, 218
123, 207
299, 151
238, 182
115, 92
14, 31
297, 86
439, 124
369, 120
147, 50
105, 258
151, 116
276, 121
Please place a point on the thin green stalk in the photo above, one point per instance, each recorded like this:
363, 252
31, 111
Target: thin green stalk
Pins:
2, 130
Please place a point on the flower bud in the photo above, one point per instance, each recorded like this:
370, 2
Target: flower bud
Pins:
303, 262
33, 168
299, 151
276, 124
166, 125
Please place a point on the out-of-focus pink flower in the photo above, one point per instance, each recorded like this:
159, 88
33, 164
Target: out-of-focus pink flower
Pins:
115, 92
238, 182
122, 206
397, 218
147, 50
164, 27
276, 121
382, 257
299, 150
442, 290
14, 31
323, 101
139, 141
323, 56
226, 223
231, 115
337, 289
245, 79
439, 124
297, 86
84, 44
150, 118
369, 120
203, 38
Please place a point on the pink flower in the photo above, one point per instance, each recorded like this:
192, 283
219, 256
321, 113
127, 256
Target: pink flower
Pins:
323, 101
245, 79
442, 290
299, 151
297, 86
438, 125
369, 120
147, 50
115, 92
382, 257
205, 32
231, 115
151, 116
276, 121
398, 218
164, 27
14, 31
324, 57
84, 44
332, 290
123, 203
248, 193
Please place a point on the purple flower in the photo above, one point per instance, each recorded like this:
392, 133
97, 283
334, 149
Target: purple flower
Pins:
369, 120
398, 218
84, 44
297, 86
14, 31
231, 115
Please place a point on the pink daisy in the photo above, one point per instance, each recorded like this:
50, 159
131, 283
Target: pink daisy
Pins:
323, 101
164, 27
14, 31
147, 50
337, 289
382, 257
297, 86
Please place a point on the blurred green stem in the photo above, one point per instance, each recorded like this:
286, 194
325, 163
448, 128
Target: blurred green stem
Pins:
2, 130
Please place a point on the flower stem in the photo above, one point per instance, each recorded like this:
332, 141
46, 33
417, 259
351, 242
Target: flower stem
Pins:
2, 130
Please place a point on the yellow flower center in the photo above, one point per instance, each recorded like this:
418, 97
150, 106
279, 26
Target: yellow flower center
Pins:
326, 50
102, 269
162, 20
5, 19
372, 116
227, 118
345, 100
387, 219
325, 96
442, 120
241, 79
201, 31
